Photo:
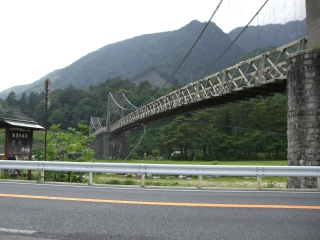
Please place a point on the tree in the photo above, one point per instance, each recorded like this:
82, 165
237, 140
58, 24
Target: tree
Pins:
156, 153
11, 99
71, 145
23, 103
33, 102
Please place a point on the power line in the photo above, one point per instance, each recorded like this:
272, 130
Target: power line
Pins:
194, 44
233, 40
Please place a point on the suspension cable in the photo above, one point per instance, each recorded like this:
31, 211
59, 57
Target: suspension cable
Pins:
129, 101
118, 104
194, 44
226, 49
214, 63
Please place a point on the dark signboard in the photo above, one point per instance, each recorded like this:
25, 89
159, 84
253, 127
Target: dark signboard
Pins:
19, 142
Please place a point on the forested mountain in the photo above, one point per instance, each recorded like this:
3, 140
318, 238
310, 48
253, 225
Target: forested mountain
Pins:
269, 35
154, 57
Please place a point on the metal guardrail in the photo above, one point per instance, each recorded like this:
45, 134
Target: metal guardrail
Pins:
167, 169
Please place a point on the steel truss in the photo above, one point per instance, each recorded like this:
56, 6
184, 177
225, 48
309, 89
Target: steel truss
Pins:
261, 75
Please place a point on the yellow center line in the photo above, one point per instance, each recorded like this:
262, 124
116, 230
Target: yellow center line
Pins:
180, 204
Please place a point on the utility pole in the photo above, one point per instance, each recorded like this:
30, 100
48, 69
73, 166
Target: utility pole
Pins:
47, 86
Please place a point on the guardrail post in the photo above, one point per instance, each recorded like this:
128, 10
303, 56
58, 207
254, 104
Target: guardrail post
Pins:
143, 177
318, 183
200, 181
90, 178
258, 182
42, 176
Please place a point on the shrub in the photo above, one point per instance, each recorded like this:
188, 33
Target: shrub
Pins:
174, 184
129, 182
113, 181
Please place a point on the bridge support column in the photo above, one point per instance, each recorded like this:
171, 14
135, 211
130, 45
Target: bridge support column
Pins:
303, 86
111, 146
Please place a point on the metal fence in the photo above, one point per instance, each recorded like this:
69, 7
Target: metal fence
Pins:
166, 169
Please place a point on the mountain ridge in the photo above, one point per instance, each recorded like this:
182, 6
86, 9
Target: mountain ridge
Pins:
153, 56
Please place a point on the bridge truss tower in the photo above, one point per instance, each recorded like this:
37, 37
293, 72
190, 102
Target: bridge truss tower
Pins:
112, 145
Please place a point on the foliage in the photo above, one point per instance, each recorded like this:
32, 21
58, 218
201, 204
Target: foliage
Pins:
71, 145
271, 184
129, 182
11, 99
113, 181
156, 153
236, 131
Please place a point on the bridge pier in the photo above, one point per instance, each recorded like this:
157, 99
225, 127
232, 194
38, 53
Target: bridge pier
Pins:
111, 146
303, 86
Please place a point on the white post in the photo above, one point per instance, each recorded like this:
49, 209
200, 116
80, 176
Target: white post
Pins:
42, 176
90, 178
143, 180
200, 181
259, 182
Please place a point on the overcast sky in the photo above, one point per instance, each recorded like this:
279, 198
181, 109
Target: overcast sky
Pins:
39, 36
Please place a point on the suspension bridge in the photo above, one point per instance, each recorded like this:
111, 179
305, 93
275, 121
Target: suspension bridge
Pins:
259, 76
291, 68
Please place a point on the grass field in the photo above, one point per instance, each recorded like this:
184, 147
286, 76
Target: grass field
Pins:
209, 182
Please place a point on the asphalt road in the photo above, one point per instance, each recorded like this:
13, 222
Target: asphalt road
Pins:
33, 211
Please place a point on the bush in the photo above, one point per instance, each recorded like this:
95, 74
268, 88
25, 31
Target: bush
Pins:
113, 181
174, 184
129, 182
135, 156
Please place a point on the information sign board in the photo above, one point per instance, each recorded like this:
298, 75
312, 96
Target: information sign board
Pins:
19, 142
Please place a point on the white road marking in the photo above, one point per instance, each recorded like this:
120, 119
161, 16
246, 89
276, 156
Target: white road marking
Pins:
9, 230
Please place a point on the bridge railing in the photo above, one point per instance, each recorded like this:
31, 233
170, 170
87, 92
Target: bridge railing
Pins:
266, 68
166, 169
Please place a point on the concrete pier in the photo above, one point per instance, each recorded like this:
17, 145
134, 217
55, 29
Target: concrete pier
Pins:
303, 86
